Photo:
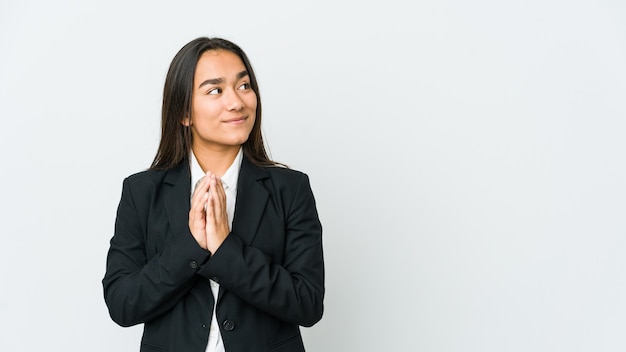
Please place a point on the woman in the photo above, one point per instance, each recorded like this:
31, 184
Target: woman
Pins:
235, 262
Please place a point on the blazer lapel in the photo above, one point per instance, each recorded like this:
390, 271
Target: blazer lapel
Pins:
177, 201
252, 198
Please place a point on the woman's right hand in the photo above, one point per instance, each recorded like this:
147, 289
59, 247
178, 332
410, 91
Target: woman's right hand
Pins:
197, 213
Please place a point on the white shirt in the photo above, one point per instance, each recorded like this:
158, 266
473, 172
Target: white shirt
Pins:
229, 181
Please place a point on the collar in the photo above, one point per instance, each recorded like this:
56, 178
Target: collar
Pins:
230, 177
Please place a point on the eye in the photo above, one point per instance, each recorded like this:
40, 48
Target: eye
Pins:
214, 91
244, 86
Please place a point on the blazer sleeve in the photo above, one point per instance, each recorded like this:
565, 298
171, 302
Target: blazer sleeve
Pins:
139, 288
291, 291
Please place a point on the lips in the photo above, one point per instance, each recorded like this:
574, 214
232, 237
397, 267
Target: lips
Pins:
237, 120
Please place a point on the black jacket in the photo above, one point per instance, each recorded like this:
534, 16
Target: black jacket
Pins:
270, 267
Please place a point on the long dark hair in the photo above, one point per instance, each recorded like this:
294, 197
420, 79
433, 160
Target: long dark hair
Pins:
176, 139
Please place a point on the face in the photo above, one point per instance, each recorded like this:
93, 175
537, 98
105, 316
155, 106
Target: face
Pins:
223, 102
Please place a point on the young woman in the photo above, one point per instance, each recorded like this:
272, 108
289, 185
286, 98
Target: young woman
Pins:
216, 247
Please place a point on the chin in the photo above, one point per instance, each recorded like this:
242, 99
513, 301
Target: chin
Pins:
242, 139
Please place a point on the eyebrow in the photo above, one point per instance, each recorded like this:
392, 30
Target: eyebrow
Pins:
240, 75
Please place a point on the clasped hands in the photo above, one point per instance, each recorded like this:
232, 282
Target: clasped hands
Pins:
208, 219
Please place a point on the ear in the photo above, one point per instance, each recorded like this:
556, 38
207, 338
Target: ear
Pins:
186, 121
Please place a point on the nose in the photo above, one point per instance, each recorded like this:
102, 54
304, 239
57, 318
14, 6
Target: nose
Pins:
234, 101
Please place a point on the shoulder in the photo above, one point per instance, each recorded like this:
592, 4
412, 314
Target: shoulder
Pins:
287, 181
292, 188
277, 173
285, 173
151, 180
144, 178
283, 177
276, 179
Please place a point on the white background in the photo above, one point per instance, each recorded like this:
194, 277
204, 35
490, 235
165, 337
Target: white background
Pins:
467, 159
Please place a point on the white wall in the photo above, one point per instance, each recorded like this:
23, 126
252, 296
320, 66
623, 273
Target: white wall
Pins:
468, 159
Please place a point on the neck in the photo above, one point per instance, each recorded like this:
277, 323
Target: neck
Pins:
216, 161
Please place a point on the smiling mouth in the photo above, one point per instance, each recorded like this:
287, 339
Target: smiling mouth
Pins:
237, 120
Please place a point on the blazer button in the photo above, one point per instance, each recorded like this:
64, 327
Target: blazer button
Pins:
228, 325
193, 264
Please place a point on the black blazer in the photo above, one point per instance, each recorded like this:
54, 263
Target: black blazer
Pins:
270, 268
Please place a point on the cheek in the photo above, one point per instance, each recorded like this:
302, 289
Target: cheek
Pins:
252, 122
251, 101
205, 113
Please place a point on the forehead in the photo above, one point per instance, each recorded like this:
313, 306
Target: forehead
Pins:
219, 64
